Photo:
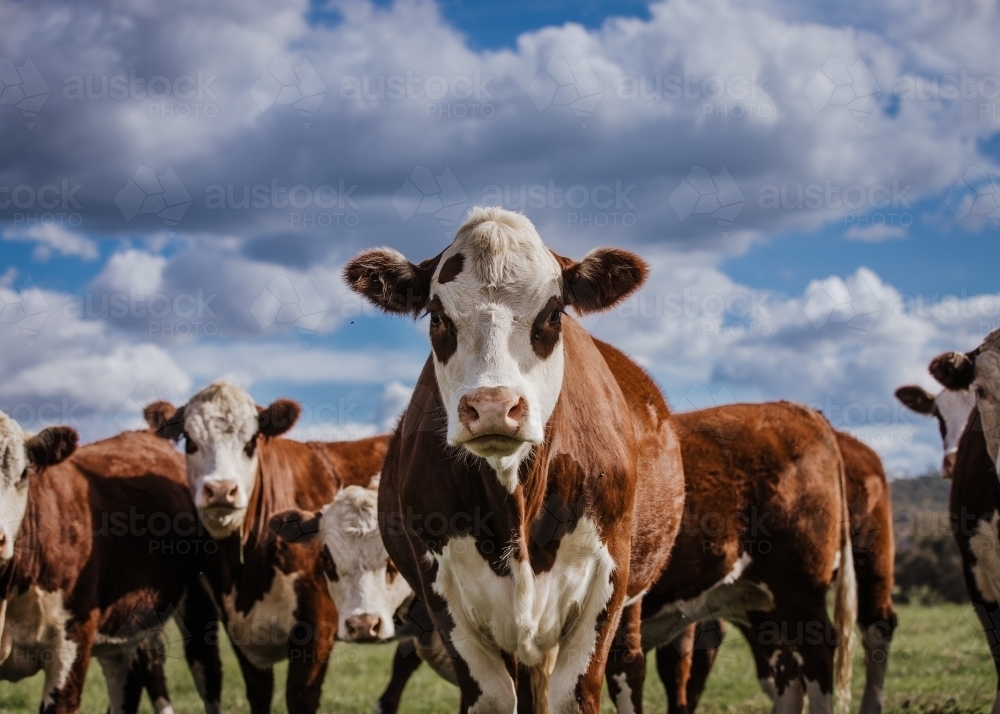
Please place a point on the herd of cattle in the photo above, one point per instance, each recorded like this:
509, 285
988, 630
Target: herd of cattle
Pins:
537, 522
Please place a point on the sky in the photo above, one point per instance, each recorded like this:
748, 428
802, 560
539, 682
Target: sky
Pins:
814, 186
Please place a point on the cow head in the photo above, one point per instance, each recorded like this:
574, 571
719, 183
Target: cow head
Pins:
363, 583
19, 453
979, 371
495, 298
952, 410
222, 428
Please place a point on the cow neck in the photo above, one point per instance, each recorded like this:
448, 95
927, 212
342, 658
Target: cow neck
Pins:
29, 548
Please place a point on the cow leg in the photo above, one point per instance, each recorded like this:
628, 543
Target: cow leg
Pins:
626, 667
67, 671
989, 616
307, 662
259, 684
685, 663
199, 621
876, 638
125, 677
405, 662
154, 676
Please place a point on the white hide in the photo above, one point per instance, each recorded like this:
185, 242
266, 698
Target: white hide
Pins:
526, 614
13, 483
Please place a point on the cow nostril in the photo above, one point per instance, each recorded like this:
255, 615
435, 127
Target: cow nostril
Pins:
467, 412
377, 627
516, 412
209, 493
231, 494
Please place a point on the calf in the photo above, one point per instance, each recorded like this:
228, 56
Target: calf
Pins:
106, 551
540, 463
975, 489
952, 410
685, 664
271, 593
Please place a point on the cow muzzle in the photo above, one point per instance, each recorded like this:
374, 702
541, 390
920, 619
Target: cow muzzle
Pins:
363, 628
493, 418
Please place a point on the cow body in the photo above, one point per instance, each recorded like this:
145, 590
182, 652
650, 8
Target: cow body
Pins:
684, 665
271, 592
533, 488
107, 552
765, 531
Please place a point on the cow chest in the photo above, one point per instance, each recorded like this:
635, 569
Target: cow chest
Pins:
263, 632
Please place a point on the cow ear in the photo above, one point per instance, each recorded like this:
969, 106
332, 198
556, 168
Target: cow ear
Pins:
601, 280
165, 420
278, 418
954, 370
390, 282
916, 398
52, 445
295, 526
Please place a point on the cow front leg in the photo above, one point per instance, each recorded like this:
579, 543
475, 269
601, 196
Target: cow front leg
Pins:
626, 667
405, 662
125, 676
310, 647
200, 621
575, 684
259, 684
67, 670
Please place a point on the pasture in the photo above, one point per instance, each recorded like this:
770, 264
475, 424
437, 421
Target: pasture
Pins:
940, 665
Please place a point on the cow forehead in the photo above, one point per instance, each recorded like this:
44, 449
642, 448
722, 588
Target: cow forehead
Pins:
221, 411
350, 529
13, 458
496, 257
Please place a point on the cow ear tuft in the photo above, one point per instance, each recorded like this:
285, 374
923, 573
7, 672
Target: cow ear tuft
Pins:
52, 445
390, 282
278, 418
954, 370
916, 398
601, 280
165, 420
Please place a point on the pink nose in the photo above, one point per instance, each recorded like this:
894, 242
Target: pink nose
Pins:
363, 628
492, 410
220, 494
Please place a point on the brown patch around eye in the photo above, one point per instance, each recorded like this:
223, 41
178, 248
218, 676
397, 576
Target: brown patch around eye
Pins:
545, 331
444, 339
451, 268
329, 567
250, 447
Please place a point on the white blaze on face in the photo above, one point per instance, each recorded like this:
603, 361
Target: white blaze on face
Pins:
365, 584
220, 433
13, 483
953, 409
499, 386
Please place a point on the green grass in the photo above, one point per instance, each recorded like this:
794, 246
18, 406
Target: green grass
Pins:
939, 665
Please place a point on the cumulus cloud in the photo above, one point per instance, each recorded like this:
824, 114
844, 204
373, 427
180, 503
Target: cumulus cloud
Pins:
53, 238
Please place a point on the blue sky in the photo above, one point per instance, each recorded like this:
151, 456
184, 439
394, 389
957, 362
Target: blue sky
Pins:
814, 187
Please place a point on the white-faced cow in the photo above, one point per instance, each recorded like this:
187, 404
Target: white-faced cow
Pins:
684, 665
106, 551
271, 593
533, 488
952, 409
975, 489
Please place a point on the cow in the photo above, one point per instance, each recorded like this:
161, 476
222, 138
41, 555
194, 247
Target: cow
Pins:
533, 488
106, 551
975, 488
271, 593
952, 410
684, 665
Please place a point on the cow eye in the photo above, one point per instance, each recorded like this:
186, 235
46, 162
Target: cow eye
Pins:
189, 446
435, 319
555, 317
980, 392
24, 477
250, 447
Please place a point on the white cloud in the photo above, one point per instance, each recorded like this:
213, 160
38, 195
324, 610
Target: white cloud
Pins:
54, 238
874, 233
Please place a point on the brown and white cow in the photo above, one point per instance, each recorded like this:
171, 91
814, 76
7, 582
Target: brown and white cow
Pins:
533, 488
684, 665
975, 489
270, 592
952, 410
106, 551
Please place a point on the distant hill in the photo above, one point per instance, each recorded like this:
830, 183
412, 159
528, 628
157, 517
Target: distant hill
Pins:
923, 493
